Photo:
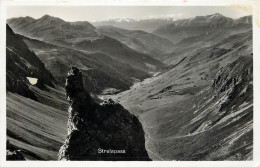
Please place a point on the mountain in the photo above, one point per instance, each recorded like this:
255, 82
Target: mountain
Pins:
244, 20
54, 29
99, 70
138, 40
21, 22
199, 34
201, 109
83, 36
99, 132
198, 108
60, 44
180, 29
122, 53
147, 25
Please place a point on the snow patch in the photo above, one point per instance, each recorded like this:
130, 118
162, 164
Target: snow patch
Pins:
32, 81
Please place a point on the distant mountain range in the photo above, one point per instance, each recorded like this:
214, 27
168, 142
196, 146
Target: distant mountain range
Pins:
185, 34
193, 34
147, 25
181, 29
53, 29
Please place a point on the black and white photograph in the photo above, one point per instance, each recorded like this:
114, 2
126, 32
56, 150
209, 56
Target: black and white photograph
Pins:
129, 83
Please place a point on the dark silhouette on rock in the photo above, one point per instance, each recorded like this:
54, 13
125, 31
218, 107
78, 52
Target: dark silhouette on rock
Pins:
13, 153
99, 132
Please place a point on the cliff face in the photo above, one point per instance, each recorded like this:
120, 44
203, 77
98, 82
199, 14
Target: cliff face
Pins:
99, 132
22, 63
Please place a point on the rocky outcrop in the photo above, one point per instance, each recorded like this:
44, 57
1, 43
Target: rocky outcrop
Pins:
99, 131
234, 83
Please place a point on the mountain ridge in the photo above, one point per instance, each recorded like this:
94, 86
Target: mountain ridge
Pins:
184, 28
82, 36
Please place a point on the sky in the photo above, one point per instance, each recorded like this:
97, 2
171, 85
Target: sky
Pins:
100, 13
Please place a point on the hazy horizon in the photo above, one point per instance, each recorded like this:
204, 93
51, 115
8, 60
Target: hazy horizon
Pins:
102, 13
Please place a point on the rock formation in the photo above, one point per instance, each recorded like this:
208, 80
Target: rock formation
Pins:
99, 132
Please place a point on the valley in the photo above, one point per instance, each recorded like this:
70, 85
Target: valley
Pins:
189, 82
184, 110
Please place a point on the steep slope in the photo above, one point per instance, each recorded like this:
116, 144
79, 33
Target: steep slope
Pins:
138, 40
99, 132
83, 36
202, 109
181, 29
35, 116
22, 63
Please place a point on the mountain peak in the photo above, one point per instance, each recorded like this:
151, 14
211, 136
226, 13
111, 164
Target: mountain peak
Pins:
48, 17
212, 17
28, 17
217, 14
